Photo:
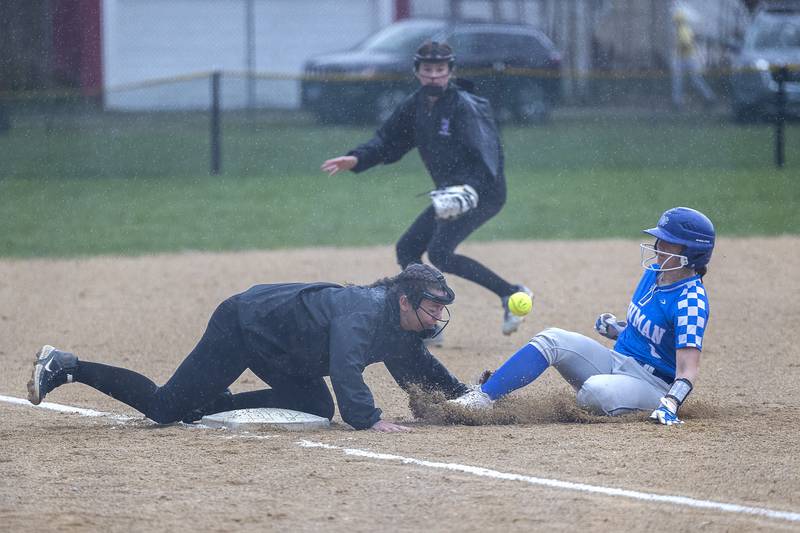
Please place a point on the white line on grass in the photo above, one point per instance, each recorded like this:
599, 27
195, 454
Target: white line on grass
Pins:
568, 485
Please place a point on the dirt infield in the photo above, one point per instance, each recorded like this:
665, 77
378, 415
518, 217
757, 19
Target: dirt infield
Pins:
69, 472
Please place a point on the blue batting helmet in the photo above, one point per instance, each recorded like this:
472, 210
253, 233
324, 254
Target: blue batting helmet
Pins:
689, 228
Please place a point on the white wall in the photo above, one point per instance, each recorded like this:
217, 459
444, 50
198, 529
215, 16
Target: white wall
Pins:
149, 40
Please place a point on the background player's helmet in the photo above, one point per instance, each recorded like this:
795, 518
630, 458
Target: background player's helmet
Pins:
434, 52
689, 228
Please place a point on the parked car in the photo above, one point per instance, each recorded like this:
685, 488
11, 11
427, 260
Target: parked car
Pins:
515, 66
772, 40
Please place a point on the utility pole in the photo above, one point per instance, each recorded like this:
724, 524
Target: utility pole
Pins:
250, 52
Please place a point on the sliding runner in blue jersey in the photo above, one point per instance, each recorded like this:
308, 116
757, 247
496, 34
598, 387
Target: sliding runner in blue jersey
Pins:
656, 356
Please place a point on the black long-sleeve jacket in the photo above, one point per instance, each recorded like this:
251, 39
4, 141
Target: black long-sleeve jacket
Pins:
316, 330
457, 139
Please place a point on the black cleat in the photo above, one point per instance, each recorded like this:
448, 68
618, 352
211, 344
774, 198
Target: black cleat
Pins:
51, 368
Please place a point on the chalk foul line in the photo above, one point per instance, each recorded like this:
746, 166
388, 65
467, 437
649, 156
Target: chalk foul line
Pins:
567, 485
65, 408
473, 470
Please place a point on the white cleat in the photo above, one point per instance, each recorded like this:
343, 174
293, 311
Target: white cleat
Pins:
474, 400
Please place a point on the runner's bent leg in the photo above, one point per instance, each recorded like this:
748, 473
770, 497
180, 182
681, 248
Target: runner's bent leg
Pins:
575, 356
449, 234
606, 382
618, 394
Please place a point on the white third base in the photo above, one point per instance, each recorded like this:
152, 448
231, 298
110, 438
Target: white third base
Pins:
265, 418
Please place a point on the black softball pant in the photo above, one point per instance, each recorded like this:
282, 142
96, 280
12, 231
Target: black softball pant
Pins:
202, 378
440, 239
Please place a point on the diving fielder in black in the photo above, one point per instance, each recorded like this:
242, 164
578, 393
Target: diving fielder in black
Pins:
457, 138
291, 336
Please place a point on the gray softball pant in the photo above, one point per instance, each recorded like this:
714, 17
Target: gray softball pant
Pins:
606, 382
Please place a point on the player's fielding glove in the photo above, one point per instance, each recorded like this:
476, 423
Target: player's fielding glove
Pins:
608, 326
452, 202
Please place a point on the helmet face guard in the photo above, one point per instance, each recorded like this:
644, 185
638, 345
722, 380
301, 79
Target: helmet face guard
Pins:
416, 296
445, 299
650, 254
430, 333
688, 228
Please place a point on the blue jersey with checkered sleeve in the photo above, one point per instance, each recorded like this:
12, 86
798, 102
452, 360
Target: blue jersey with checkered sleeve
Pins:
662, 319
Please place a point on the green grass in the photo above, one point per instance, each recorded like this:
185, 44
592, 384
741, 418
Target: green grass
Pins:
139, 184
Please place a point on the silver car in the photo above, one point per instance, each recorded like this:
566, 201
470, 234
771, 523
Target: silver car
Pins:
772, 41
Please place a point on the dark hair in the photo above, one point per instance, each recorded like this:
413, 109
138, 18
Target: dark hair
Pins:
417, 281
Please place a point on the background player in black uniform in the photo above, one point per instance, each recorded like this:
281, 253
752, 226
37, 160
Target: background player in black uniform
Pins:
458, 141
290, 335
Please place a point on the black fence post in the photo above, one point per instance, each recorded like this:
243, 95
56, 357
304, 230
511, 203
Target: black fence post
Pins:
5, 121
781, 74
216, 148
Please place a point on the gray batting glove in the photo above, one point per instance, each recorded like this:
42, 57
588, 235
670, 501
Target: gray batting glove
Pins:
608, 326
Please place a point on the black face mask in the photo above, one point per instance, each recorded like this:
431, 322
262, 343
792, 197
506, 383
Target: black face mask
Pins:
432, 90
444, 299
435, 330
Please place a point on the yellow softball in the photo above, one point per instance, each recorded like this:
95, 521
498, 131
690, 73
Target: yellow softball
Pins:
520, 303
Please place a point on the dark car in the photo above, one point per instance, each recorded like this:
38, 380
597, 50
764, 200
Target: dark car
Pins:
514, 66
772, 40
